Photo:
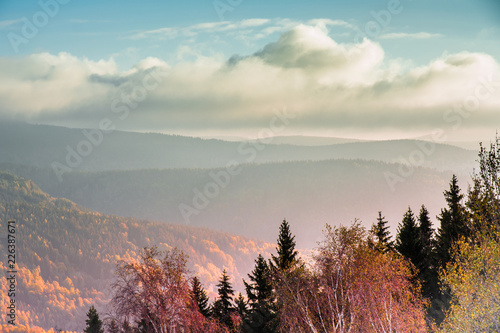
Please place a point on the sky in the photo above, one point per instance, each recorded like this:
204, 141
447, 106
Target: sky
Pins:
360, 68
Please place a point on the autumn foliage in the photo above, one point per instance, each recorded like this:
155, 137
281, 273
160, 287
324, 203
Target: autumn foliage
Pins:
351, 287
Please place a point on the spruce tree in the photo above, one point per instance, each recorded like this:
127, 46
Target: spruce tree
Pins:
382, 235
241, 306
427, 274
223, 306
408, 241
453, 223
287, 255
261, 315
426, 231
200, 297
94, 324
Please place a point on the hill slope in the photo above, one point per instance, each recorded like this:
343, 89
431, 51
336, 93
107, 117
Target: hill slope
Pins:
254, 201
66, 254
75, 149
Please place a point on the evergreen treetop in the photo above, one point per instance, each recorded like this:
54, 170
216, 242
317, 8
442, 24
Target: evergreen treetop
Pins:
453, 222
287, 255
200, 296
408, 241
382, 235
94, 324
223, 306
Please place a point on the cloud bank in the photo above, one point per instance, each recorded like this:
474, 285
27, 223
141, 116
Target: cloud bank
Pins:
329, 86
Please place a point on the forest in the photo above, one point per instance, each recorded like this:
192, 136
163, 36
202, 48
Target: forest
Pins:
357, 280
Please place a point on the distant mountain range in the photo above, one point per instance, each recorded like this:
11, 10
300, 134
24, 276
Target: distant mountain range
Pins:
188, 180
66, 254
65, 150
295, 140
255, 200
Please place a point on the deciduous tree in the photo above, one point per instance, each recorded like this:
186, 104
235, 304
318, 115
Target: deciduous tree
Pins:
351, 287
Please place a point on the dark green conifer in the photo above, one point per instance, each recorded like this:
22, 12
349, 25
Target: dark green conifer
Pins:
287, 255
408, 241
261, 315
200, 296
382, 235
94, 324
223, 306
453, 223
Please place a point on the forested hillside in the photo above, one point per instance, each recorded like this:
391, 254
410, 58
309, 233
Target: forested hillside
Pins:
66, 254
253, 201
95, 150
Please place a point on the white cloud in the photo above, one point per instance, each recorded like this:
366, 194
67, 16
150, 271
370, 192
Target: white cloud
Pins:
7, 23
326, 84
262, 27
403, 35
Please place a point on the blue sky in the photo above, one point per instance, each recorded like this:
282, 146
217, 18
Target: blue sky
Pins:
101, 29
120, 35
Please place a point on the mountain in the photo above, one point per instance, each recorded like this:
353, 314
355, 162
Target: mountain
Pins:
297, 140
65, 150
254, 200
66, 254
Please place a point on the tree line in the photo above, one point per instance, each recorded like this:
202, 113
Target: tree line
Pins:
357, 280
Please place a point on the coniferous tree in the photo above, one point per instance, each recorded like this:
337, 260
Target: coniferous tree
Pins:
223, 307
261, 315
427, 272
241, 306
453, 223
408, 241
94, 324
382, 235
426, 231
287, 255
200, 297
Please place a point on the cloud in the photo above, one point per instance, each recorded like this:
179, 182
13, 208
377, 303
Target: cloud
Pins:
260, 27
192, 30
326, 84
7, 23
403, 35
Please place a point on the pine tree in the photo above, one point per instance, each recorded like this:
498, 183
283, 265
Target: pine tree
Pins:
261, 316
453, 223
382, 235
241, 306
200, 296
94, 324
426, 231
408, 241
223, 307
427, 274
287, 255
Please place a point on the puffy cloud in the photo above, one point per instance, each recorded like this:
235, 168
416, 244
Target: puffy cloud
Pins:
327, 85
